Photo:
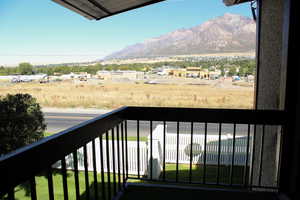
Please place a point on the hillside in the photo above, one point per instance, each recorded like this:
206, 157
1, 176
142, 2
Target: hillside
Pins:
227, 33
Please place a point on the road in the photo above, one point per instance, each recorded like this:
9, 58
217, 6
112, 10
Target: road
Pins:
57, 121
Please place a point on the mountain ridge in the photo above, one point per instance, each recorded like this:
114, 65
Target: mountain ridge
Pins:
224, 34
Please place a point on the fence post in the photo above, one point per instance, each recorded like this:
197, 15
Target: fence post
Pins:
157, 156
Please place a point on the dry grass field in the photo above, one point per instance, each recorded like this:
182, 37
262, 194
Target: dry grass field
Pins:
114, 95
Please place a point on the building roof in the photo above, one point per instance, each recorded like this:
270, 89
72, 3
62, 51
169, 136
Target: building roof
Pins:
98, 9
234, 2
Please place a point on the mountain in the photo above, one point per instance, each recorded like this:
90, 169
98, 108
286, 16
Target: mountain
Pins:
227, 33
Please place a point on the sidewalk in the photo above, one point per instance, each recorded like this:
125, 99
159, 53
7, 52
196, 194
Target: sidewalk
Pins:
75, 110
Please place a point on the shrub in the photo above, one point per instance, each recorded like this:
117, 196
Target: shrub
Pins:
21, 122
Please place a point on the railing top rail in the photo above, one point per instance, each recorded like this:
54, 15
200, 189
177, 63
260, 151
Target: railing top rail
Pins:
238, 116
20, 165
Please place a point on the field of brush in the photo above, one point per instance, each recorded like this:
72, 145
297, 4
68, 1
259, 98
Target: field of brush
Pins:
116, 94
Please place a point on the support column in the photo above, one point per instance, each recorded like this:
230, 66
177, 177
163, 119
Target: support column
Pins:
268, 87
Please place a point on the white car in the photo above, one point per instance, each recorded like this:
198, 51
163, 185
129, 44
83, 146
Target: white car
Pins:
162, 73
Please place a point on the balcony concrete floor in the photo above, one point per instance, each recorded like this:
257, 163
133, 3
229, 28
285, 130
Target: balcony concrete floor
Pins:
169, 192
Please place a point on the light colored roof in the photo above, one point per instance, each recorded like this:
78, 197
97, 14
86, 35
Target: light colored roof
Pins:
98, 9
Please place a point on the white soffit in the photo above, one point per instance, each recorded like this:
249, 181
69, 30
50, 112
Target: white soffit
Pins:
98, 9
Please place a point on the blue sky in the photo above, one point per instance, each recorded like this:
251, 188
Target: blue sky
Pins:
41, 31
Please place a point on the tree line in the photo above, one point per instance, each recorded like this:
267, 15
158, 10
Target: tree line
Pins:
241, 67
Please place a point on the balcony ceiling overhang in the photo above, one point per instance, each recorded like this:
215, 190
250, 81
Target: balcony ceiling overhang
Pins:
98, 9
234, 2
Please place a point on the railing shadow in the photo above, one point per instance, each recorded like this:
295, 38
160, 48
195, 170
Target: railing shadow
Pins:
100, 190
196, 174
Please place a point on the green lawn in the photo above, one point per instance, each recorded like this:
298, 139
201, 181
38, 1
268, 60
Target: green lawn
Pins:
183, 176
46, 134
42, 187
211, 173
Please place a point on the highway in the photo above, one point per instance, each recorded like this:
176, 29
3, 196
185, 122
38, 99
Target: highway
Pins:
57, 121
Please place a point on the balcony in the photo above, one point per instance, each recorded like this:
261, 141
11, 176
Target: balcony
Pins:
188, 153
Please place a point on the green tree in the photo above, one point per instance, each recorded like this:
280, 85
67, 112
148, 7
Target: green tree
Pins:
232, 71
2, 71
25, 68
21, 122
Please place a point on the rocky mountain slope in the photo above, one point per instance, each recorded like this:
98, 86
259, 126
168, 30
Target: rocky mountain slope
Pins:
227, 33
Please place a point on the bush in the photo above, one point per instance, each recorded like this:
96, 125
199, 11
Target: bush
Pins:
25, 69
21, 122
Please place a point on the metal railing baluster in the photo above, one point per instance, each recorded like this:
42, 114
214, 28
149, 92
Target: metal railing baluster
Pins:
253, 156
279, 159
118, 156
123, 154
261, 155
33, 188
138, 147
204, 156
95, 170
177, 151
247, 156
233, 155
11, 194
76, 176
151, 151
113, 161
191, 153
50, 184
102, 168
219, 153
108, 166
164, 151
86, 172
126, 147
64, 178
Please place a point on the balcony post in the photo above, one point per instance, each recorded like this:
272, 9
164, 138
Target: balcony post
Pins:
268, 86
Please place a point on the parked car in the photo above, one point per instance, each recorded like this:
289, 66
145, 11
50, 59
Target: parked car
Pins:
235, 78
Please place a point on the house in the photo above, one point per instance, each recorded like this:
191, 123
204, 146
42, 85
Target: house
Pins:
80, 76
28, 78
214, 74
271, 170
120, 74
193, 72
104, 75
178, 72
204, 74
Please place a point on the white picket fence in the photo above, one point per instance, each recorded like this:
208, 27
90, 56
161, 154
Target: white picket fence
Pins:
170, 150
132, 157
212, 148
